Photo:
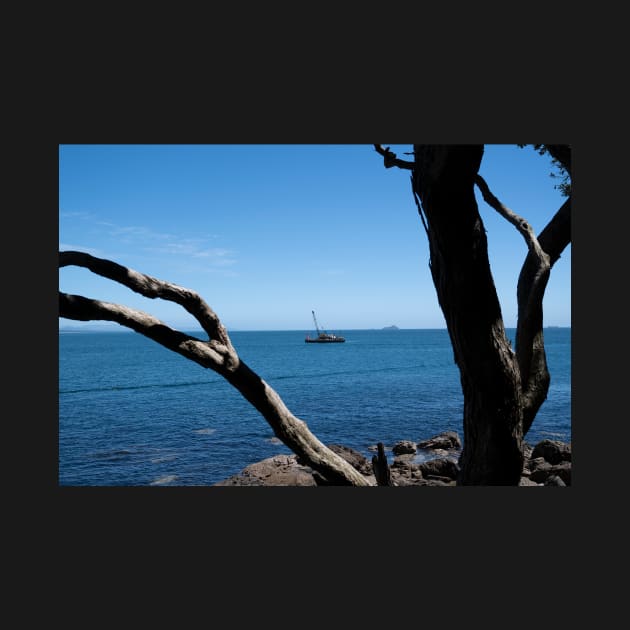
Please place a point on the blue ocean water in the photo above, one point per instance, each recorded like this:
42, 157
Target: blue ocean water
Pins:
132, 413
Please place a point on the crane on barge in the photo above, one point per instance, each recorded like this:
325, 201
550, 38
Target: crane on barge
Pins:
322, 335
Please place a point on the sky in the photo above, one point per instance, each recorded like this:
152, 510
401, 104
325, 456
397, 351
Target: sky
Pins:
267, 233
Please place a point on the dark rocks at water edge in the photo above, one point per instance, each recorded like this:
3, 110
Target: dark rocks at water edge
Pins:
547, 464
432, 462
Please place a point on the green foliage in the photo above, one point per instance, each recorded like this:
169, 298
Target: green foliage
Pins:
559, 172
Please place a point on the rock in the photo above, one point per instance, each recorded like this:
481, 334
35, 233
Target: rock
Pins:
280, 470
536, 463
440, 468
529, 464
554, 480
439, 452
434, 481
443, 481
403, 461
544, 470
540, 473
526, 481
404, 464
448, 440
548, 463
553, 451
562, 470
354, 458
404, 472
404, 446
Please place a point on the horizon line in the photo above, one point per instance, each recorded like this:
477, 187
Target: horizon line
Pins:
120, 328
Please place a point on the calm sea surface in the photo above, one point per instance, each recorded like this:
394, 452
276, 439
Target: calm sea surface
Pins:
133, 413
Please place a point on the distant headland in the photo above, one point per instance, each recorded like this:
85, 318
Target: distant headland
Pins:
392, 327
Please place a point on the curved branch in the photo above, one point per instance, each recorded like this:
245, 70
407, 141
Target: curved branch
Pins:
217, 354
544, 251
212, 354
521, 224
530, 349
390, 159
151, 288
556, 235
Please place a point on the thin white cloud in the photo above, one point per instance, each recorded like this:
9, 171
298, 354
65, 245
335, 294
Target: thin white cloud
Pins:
149, 241
144, 240
218, 257
135, 232
212, 269
215, 256
75, 215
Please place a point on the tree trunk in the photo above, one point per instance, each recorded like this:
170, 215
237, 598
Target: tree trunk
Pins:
530, 346
443, 179
382, 473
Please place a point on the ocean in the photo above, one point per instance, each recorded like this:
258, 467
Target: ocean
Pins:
132, 413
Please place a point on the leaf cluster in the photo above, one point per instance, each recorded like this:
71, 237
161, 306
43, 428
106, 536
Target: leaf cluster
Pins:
559, 172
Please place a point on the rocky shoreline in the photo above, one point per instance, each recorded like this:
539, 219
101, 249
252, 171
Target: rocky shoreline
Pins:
431, 462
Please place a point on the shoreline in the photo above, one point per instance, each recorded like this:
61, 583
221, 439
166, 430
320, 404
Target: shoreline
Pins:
432, 462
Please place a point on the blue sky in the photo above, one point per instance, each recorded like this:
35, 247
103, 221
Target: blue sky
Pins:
267, 233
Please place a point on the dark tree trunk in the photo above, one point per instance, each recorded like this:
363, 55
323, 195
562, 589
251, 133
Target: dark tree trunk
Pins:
443, 179
530, 345
382, 473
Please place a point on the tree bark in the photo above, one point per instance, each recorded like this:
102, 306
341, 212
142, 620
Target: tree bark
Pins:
382, 473
503, 391
443, 180
530, 345
543, 252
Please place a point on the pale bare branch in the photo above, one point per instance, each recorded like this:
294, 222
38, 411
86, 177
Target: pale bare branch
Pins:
217, 354
521, 224
218, 357
151, 288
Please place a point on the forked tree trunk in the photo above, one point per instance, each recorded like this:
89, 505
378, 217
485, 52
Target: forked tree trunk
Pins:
530, 346
443, 179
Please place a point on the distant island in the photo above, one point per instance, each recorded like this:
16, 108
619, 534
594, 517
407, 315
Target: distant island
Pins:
392, 327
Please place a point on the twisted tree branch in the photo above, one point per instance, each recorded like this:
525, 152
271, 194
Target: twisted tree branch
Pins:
151, 288
217, 354
521, 224
530, 349
533, 279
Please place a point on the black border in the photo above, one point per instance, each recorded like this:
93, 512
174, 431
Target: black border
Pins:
503, 530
